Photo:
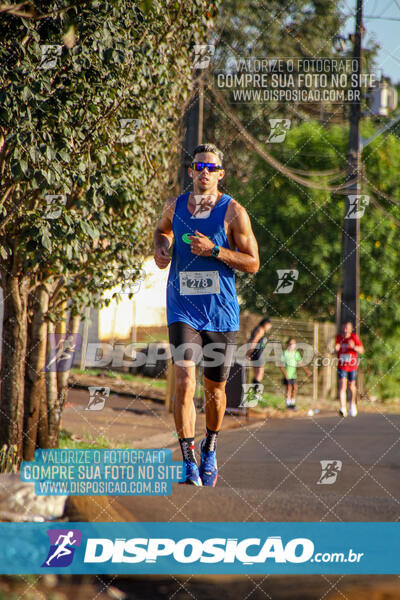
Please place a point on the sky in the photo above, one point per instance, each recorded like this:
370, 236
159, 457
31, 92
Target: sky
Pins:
385, 32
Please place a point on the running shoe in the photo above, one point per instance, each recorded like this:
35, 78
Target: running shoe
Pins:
208, 466
343, 412
353, 410
192, 474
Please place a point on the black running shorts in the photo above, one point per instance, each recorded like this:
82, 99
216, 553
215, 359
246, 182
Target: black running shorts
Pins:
213, 349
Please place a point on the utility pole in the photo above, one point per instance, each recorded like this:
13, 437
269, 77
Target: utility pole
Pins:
193, 130
350, 309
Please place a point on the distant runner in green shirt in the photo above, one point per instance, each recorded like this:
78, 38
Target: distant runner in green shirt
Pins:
290, 359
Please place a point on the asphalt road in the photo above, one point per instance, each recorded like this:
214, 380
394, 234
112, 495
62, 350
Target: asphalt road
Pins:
269, 472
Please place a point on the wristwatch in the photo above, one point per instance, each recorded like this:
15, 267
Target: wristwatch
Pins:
215, 251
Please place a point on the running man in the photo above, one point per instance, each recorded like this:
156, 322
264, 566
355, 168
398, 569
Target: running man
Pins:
62, 550
288, 279
258, 341
348, 345
202, 306
290, 359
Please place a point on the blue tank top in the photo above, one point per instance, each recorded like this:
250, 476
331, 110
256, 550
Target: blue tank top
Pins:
201, 289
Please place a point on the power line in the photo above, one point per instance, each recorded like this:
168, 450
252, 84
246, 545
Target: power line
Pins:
276, 164
387, 213
379, 192
390, 54
382, 18
385, 9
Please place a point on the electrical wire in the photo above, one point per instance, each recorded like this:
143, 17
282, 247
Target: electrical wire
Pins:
381, 208
250, 140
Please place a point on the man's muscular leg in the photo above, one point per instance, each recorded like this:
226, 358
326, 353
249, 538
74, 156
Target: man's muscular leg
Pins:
185, 416
215, 410
184, 410
215, 403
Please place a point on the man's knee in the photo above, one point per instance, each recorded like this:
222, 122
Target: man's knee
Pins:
184, 381
218, 386
215, 390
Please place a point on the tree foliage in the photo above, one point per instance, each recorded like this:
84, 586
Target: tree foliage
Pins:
90, 103
62, 134
299, 228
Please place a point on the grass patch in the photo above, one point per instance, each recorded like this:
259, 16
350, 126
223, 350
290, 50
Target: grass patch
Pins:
160, 384
272, 401
9, 461
90, 442
156, 383
93, 372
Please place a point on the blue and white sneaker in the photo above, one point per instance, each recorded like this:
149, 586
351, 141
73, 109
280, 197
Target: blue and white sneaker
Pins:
208, 466
192, 474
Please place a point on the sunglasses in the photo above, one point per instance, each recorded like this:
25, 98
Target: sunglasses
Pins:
211, 167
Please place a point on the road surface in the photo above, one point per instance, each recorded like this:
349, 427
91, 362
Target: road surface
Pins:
269, 471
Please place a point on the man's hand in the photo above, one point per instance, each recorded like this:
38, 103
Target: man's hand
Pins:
200, 244
164, 236
351, 343
162, 257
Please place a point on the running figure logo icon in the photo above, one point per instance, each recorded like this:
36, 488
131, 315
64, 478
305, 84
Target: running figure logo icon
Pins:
49, 55
204, 205
54, 204
330, 471
252, 394
287, 277
202, 55
279, 129
357, 205
60, 552
129, 128
62, 351
98, 396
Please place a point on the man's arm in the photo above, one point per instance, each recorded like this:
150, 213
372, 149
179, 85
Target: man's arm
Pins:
306, 371
163, 235
284, 372
247, 259
258, 334
356, 345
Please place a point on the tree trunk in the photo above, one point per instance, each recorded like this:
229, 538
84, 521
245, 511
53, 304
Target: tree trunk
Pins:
57, 388
69, 348
35, 382
15, 293
43, 425
51, 387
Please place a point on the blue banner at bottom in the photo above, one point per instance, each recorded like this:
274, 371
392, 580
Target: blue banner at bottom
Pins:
200, 548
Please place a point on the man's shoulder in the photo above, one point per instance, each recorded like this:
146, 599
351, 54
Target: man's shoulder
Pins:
236, 214
170, 205
235, 206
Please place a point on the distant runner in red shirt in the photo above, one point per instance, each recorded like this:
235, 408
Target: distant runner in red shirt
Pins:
348, 345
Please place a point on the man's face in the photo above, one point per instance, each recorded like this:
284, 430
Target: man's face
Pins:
204, 181
347, 329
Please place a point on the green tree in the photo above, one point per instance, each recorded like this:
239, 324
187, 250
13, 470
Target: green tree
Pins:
300, 228
299, 30
63, 133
